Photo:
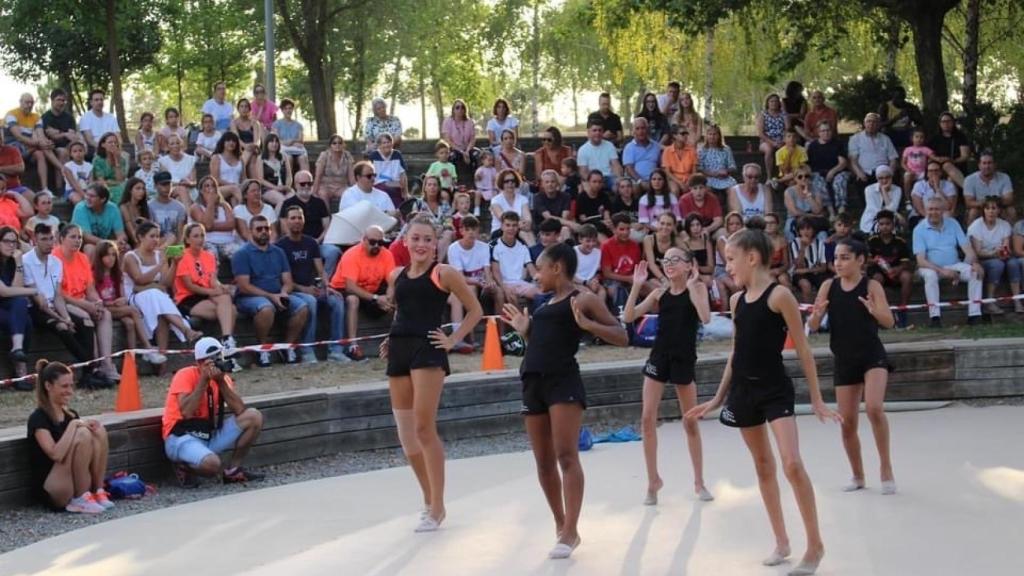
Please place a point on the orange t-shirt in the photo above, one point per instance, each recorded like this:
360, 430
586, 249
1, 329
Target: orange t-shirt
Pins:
184, 382
202, 271
680, 164
9, 209
77, 274
368, 272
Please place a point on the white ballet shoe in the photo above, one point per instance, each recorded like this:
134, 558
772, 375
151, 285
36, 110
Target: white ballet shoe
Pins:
888, 487
805, 568
429, 524
777, 557
651, 499
561, 551
704, 495
854, 485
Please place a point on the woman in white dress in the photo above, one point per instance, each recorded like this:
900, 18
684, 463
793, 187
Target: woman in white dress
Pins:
148, 275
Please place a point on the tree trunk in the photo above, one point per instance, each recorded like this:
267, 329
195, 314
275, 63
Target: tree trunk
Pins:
892, 47
322, 91
396, 80
179, 77
971, 61
709, 61
360, 74
115, 67
535, 56
927, 27
423, 107
575, 104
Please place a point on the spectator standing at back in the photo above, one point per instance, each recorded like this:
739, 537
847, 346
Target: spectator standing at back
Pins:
898, 117
94, 122
952, 148
291, 134
938, 241
25, 127
870, 149
988, 181
818, 112
59, 126
222, 110
380, 123
362, 276
642, 154
264, 109
599, 154
610, 122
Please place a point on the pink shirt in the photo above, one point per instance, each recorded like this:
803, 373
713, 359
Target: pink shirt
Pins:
916, 158
650, 215
265, 113
460, 134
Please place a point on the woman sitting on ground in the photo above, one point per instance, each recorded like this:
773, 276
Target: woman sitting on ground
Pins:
68, 455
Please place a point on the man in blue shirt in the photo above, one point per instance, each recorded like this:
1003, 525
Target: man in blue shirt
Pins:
641, 155
936, 239
265, 285
307, 268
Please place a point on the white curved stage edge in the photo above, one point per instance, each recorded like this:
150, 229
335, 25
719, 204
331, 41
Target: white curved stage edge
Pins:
959, 511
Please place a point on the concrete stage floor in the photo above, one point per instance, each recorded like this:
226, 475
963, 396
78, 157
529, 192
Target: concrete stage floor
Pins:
960, 510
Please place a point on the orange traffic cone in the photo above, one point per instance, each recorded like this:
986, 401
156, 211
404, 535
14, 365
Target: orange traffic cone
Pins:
492, 359
128, 396
789, 342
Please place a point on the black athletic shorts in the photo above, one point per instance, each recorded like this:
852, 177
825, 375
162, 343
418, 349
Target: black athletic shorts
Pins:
671, 369
753, 401
407, 353
848, 371
541, 391
186, 305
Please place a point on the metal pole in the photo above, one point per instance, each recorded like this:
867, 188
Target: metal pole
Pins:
268, 40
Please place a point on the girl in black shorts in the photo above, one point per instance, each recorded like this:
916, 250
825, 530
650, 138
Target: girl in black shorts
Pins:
755, 389
416, 350
682, 305
856, 307
553, 393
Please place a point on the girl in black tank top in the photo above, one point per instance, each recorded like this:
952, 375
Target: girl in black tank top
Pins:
682, 307
553, 393
856, 307
416, 350
755, 388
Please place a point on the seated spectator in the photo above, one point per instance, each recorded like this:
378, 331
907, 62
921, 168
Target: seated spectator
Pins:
381, 123
106, 269
890, 261
827, 158
389, 165
657, 200
593, 206
109, 167
172, 127
609, 121
472, 258
251, 134
952, 149
204, 416
146, 137
435, 204
698, 244
486, 177
264, 110
227, 167
668, 102
148, 275
83, 303
549, 231
60, 128
134, 208
207, 139
253, 205
169, 214
869, 149
77, 173
511, 201
307, 269
146, 171
274, 172
94, 122
511, 265
362, 276
551, 153
933, 185
843, 230
264, 282
14, 207
43, 206
988, 181
771, 128
698, 201
679, 159
641, 155
509, 157
687, 117
1017, 250
99, 219
334, 170
819, 112
937, 239
442, 168
626, 200
218, 107
571, 181
553, 203
67, 455
619, 257
657, 123
750, 198
364, 191
217, 219
182, 168
197, 291
915, 159
12, 166
990, 238
25, 128
715, 161
459, 131
882, 195
899, 118
316, 217
598, 154
460, 210
14, 297
807, 254
802, 202
588, 262
658, 242
723, 280
780, 264
789, 157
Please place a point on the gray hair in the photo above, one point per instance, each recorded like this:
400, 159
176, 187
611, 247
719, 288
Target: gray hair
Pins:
378, 101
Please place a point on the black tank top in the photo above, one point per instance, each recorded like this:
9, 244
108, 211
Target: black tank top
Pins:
420, 304
759, 338
246, 136
554, 339
854, 331
677, 326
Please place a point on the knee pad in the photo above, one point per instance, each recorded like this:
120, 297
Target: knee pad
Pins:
406, 425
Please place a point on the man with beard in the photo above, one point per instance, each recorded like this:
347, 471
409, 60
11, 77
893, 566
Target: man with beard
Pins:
362, 275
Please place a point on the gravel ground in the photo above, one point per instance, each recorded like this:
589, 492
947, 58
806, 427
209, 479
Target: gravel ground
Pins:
24, 526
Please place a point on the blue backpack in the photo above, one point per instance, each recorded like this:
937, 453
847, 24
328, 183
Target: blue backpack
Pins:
122, 486
644, 332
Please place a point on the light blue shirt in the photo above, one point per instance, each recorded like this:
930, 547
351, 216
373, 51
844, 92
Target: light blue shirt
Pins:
643, 158
939, 244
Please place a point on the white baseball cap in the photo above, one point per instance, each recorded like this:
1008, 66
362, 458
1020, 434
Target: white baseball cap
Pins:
207, 347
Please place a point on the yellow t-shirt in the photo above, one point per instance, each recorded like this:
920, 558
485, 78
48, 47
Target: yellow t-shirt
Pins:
788, 161
27, 122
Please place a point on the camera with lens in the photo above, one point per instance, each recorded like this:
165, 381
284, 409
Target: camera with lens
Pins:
225, 365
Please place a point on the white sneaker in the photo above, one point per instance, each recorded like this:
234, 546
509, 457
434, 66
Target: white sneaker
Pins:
155, 358
229, 343
309, 356
264, 360
338, 355
290, 357
84, 504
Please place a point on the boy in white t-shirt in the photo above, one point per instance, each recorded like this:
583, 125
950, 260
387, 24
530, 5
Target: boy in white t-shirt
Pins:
588, 262
77, 173
473, 258
146, 172
510, 265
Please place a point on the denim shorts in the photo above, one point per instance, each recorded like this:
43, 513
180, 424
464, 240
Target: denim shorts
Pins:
249, 305
192, 450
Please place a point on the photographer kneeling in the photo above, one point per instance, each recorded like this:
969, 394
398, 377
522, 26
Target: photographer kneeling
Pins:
195, 426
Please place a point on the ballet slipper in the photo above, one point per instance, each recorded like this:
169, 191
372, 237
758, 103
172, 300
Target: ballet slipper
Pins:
777, 557
561, 551
429, 523
854, 485
704, 495
888, 487
651, 499
805, 568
